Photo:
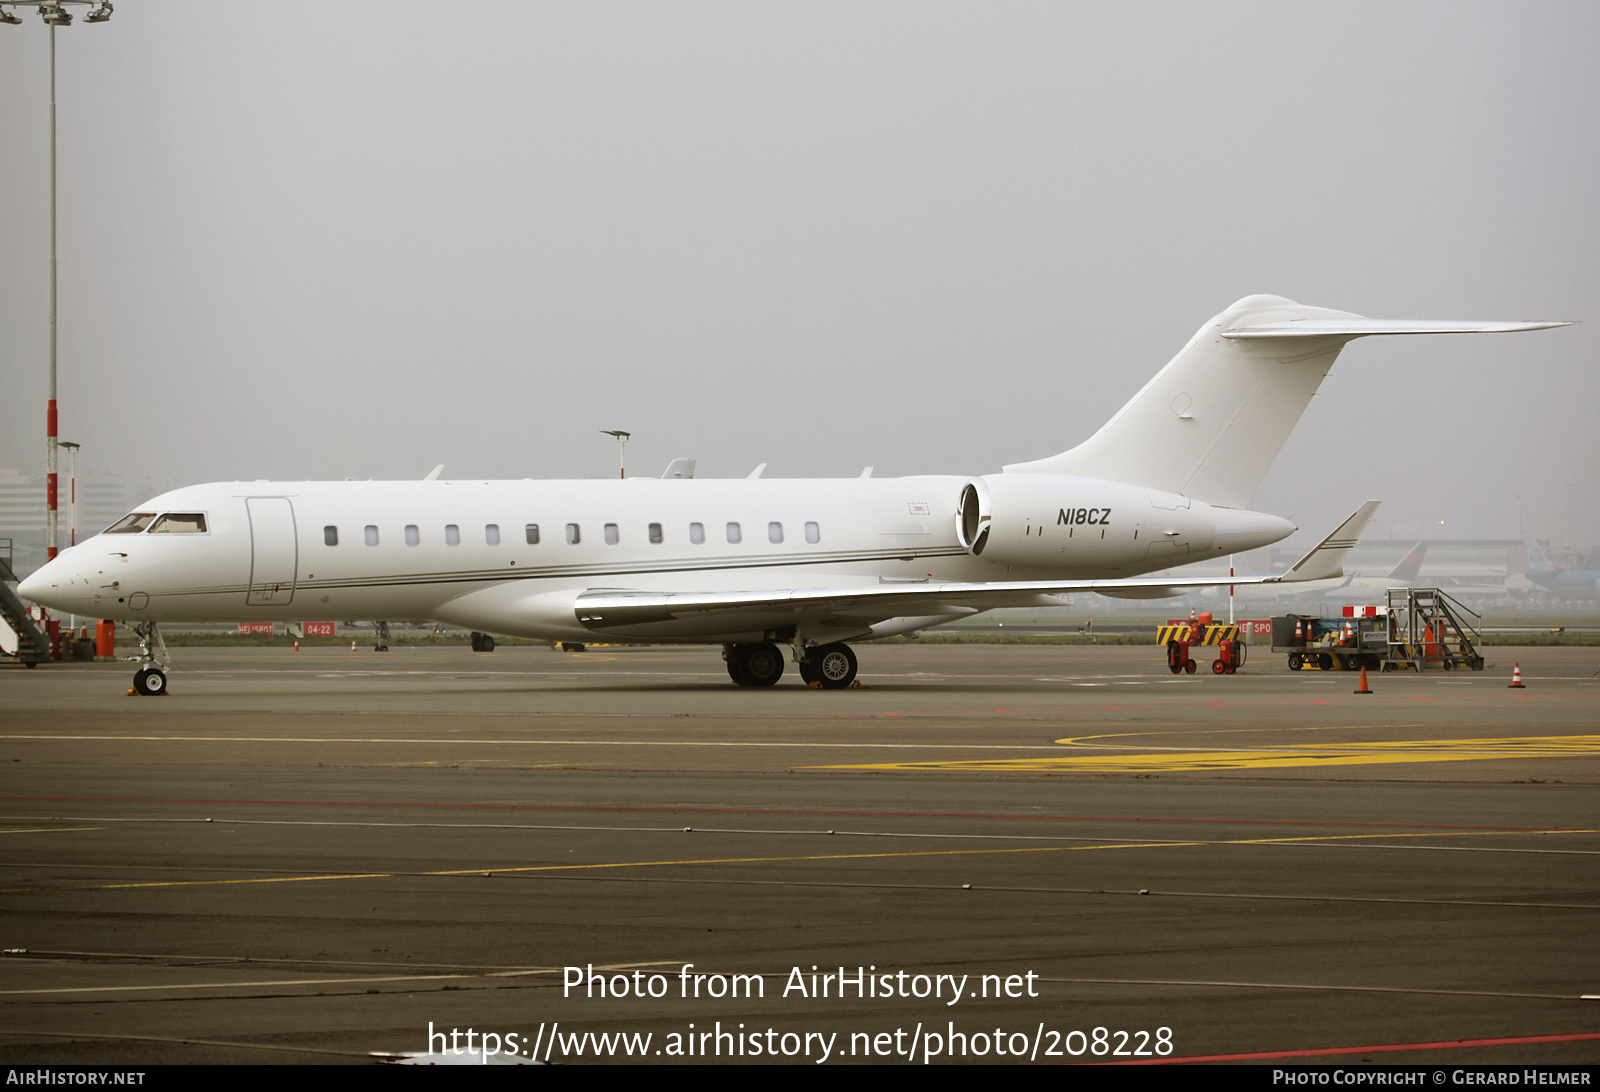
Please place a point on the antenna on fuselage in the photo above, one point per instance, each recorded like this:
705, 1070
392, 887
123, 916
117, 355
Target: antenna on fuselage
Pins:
622, 449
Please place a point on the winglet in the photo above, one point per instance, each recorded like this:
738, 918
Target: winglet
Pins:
1327, 560
433, 476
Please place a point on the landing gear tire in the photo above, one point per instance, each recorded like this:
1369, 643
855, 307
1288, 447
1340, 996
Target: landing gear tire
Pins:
755, 665
150, 681
808, 672
482, 642
835, 666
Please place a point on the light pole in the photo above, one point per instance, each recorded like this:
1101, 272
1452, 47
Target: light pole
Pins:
622, 449
55, 14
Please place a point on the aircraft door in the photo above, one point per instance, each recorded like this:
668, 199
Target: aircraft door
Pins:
274, 552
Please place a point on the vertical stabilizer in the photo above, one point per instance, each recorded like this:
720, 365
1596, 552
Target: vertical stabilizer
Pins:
1212, 421
1411, 565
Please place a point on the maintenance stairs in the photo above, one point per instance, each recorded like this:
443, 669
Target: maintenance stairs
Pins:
1427, 629
33, 646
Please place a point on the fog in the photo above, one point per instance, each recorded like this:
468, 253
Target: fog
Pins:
357, 240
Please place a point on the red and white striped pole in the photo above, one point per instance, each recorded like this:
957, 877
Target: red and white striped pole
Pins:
52, 514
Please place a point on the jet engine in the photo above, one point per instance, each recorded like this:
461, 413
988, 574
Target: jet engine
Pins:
1053, 521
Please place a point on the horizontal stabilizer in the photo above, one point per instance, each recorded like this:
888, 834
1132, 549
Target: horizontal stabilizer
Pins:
1365, 327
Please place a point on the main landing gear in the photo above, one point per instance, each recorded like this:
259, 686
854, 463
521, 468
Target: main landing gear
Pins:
482, 642
754, 665
828, 667
150, 680
832, 667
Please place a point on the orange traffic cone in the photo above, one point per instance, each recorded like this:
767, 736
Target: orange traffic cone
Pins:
352, 646
297, 646
1516, 678
1363, 688
1299, 634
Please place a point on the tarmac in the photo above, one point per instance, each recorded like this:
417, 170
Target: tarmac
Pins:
999, 853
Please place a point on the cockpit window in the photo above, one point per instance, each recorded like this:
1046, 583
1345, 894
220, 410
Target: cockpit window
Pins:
180, 523
131, 524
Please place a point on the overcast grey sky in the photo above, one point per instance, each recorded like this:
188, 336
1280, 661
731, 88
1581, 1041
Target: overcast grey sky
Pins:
339, 239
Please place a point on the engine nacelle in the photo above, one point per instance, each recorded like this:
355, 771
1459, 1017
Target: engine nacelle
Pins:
1057, 522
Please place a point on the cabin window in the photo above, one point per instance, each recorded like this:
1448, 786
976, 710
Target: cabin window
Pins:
733, 533
574, 535
131, 524
655, 534
330, 535
452, 534
813, 533
611, 534
491, 533
774, 532
697, 533
413, 536
371, 533
180, 523
531, 533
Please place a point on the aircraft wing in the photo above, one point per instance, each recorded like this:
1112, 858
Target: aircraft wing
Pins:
604, 609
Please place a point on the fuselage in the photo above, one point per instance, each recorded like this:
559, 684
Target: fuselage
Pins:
512, 556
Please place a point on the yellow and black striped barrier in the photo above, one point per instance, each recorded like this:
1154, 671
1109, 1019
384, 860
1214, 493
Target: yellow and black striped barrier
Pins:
1214, 635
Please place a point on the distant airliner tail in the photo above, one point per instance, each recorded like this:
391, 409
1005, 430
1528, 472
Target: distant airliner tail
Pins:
1212, 421
1411, 565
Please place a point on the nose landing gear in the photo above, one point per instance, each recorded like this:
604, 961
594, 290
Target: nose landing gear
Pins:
150, 680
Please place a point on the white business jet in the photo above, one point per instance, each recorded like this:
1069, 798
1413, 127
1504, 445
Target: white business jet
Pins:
754, 564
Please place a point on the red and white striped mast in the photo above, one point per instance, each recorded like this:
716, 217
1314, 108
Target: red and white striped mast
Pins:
54, 14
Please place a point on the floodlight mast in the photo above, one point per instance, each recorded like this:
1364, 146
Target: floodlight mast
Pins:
55, 14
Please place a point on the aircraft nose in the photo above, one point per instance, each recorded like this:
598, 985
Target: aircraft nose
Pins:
34, 585
47, 585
